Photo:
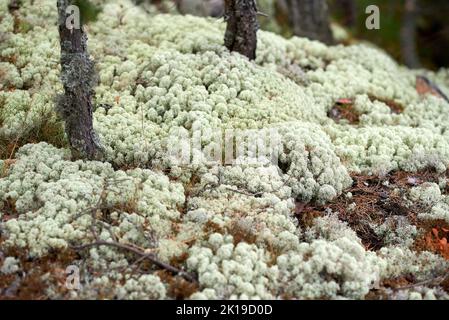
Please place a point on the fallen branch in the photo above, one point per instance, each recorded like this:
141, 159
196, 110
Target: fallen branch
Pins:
425, 86
143, 256
434, 282
246, 193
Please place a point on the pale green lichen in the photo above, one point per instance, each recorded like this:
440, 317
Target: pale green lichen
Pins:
229, 271
402, 261
426, 194
329, 269
50, 192
439, 211
10, 265
178, 76
418, 293
396, 230
144, 287
330, 228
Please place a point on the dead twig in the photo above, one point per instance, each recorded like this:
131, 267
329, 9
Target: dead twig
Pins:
249, 194
142, 254
434, 281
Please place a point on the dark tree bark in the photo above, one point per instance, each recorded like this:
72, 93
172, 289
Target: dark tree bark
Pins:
408, 35
78, 78
13, 8
14, 5
242, 25
310, 19
349, 11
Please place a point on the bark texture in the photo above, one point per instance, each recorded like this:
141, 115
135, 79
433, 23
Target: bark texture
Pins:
349, 10
408, 35
78, 78
14, 5
310, 19
242, 25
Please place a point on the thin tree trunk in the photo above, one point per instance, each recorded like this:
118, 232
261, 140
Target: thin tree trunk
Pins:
242, 25
310, 19
78, 78
204, 8
408, 35
13, 8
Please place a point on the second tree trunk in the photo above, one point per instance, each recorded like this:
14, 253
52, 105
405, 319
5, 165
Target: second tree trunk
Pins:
78, 78
310, 19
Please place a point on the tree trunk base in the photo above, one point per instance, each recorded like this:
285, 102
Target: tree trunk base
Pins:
242, 26
78, 78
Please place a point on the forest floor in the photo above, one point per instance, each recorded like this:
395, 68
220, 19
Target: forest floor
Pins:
375, 198
357, 207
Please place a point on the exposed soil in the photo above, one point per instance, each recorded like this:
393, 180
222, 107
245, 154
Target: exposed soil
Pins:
373, 200
343, 109
35, 275
395, 107
178, 288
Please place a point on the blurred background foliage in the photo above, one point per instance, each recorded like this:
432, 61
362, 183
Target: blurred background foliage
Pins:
88, 10
431, 22
432, 28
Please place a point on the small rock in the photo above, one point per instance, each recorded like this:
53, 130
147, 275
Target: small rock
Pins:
412, 181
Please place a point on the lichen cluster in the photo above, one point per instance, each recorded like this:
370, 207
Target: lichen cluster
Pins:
234, 226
